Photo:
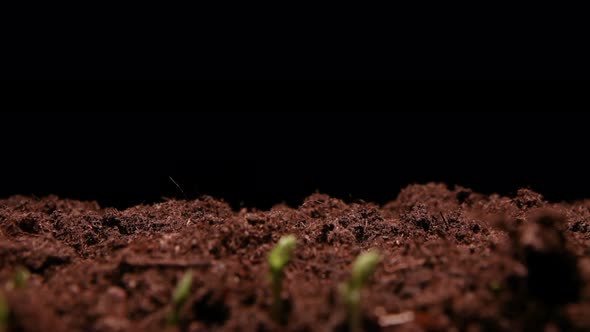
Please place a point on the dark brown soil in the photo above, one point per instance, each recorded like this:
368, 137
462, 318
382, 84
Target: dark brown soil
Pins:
457, 260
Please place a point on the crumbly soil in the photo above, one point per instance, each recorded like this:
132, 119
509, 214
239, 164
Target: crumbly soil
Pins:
452, 260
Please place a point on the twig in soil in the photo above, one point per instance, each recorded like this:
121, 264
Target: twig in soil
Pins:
180, 295
362, 269
178, 186
278, 258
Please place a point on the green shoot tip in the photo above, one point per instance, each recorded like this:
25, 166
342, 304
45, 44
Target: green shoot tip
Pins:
280, 255
183, 288
363, 267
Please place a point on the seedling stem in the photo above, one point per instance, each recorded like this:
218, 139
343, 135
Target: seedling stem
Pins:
278, 258
362, 269
180, 296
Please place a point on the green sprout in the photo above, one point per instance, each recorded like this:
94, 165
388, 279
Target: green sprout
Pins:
362, 269
180, 296
20, 279
3, 313
495, 286
278, 258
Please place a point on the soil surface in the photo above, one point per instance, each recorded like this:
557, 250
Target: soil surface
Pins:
452, 260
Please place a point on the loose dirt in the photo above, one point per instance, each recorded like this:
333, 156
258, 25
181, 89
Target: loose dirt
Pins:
452, 260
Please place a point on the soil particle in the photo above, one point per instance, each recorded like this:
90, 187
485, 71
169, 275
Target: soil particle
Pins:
526, 199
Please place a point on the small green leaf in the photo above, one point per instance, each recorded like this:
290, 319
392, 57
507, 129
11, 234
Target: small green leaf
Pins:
183, 288
280, 255
21, 277
363, 267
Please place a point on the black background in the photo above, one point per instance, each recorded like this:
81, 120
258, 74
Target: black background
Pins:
258, 159
212, 40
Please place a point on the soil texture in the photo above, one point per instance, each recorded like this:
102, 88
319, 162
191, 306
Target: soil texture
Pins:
451, 260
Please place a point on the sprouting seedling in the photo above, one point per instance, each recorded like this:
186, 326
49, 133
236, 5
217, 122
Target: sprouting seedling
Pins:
362, 269
278, 258
495, 286
3, 313
20, 278
180, 295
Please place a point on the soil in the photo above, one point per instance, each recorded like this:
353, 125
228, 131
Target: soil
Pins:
452, 260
